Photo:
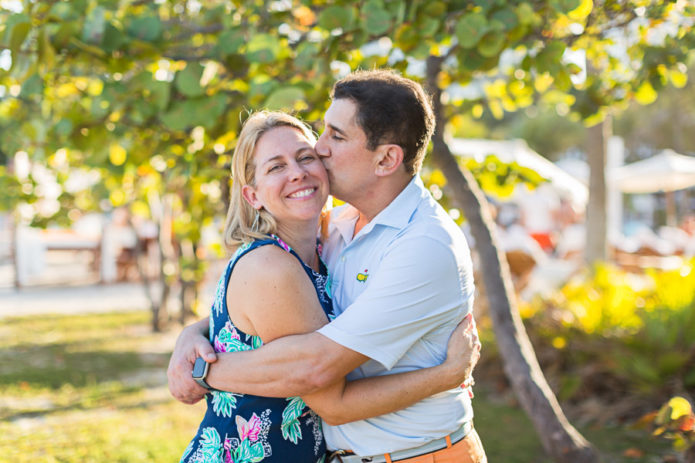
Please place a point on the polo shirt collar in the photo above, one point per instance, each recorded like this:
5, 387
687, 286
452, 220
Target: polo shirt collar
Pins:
396, 215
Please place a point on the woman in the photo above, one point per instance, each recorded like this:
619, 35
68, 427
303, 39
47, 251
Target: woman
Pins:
280, 187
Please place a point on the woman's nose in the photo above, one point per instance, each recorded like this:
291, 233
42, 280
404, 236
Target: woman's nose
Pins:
297, 171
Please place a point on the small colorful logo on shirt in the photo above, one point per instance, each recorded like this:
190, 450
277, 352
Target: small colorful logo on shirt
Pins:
362, 277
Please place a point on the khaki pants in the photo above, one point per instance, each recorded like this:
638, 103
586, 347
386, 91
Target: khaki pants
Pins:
467, 450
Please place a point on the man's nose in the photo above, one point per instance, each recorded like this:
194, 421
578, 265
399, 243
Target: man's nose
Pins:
322, 147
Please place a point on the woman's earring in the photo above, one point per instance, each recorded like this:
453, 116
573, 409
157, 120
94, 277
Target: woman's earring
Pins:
254, 227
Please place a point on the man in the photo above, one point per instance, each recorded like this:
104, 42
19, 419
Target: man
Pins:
402, 280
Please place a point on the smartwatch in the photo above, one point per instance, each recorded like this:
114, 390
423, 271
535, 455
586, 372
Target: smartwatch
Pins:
200, 372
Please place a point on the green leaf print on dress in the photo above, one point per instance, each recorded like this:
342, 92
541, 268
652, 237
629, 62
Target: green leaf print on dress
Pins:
290, 427
224, 403
211, 446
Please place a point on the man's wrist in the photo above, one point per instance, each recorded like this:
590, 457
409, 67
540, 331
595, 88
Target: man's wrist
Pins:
201, 368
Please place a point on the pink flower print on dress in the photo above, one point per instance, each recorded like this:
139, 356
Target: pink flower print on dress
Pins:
250, 428
228, 451
219, 346
282, 244
232, 330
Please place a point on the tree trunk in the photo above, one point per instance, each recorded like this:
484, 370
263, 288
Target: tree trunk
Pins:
559, 438
596, 209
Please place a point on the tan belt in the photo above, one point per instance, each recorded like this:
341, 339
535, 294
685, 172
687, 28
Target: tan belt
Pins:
346, 456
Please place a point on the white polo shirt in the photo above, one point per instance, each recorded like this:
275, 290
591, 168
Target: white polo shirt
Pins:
399, 288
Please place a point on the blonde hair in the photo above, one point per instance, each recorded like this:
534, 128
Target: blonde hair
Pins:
241, 215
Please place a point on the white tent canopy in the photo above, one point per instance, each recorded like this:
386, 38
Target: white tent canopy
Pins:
518, 151
667, 171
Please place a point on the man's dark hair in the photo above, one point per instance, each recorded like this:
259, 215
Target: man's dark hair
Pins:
390, 109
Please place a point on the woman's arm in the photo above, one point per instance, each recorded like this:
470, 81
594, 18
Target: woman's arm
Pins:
279, 300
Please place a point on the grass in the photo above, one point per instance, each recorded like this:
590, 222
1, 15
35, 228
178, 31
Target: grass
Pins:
92, 389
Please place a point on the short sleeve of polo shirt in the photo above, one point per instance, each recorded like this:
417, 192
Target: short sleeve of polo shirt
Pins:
418, 287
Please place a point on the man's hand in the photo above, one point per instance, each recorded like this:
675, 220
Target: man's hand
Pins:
191, 343
462, 353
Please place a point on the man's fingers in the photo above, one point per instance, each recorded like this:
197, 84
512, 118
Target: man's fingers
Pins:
205, 350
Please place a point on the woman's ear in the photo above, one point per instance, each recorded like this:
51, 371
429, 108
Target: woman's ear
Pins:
389, 160
249, 194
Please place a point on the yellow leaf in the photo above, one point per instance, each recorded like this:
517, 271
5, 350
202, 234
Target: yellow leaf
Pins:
117, 197
542, 82
679, 407
438, 178
559, 342
678, 79
645, 94
95, 87
477, 111
496, 109
582, 11
117, 154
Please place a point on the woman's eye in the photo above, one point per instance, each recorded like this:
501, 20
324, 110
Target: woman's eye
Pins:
336, 137
275, 168
306, 158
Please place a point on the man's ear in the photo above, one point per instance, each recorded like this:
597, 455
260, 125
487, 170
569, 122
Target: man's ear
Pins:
390, 158
249, 194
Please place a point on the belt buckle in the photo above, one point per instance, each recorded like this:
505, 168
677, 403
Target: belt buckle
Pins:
338, 454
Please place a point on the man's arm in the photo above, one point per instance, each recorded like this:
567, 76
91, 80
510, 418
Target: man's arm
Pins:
193, 342
344, 402
288, 366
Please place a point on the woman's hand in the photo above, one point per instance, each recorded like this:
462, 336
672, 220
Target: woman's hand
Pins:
191, 343
462, 353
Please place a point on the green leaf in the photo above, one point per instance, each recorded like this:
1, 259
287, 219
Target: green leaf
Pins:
160, 94
507, 17
471, 60
549, 59
230, 42
407, 37
63, 127
306, 55
527, 16
290, 427
19, 33
113, 39
256, 453
263, 48
435, 9
193, 112
491, 45
188, 80
32, 86
284, 98
242, 453
428, 26
146, 28
46, 51
223, 403
378, 20
94, 26
470, 29
335, 17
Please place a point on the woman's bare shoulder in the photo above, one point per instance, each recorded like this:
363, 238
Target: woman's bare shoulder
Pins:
268, 263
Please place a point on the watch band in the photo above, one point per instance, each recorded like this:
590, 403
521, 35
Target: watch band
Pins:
203, 383
200, 373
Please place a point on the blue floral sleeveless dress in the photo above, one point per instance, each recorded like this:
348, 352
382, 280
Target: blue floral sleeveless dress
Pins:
244, 428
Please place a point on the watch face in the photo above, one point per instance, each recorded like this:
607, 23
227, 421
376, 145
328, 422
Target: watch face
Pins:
200, 368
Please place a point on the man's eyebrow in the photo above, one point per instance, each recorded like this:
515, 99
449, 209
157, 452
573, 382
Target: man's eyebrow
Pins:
336, 129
